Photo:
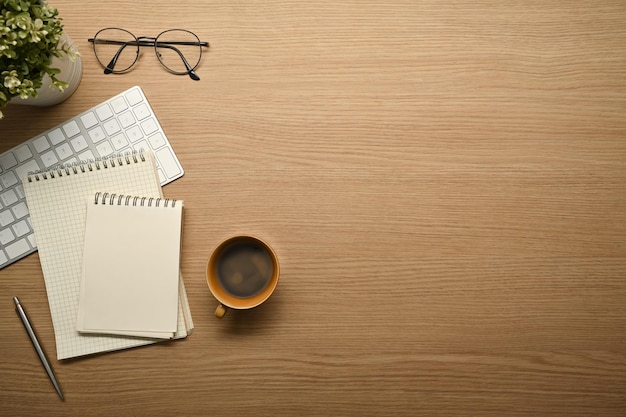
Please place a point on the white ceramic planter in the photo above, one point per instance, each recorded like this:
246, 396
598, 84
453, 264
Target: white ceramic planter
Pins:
48, 94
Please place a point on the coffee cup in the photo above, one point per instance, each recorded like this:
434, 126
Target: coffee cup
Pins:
242, 273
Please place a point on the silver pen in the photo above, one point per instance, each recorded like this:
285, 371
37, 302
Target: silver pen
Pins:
33, 338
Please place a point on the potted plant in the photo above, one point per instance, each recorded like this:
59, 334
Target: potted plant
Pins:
32, 43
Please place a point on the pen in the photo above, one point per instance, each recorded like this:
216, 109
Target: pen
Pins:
33, 338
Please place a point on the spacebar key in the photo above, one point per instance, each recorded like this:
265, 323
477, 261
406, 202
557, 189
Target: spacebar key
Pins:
167, 162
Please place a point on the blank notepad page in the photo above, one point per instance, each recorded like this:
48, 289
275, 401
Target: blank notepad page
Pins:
57, 201
139, 295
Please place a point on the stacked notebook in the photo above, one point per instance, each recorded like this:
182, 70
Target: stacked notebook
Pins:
141, 297
109, 246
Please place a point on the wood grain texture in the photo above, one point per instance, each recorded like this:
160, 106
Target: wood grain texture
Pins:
443, 183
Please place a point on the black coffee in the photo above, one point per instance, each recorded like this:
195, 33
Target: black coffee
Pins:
244, 268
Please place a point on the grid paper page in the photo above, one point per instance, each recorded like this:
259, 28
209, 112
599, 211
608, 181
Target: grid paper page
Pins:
57, 206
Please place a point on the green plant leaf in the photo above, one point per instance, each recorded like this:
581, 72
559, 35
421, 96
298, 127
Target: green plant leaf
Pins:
30, 33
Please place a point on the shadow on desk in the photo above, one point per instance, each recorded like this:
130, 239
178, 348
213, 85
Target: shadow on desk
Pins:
254, 321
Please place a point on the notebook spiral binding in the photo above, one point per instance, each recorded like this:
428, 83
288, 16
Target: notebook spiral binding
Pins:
128, 200
110, 161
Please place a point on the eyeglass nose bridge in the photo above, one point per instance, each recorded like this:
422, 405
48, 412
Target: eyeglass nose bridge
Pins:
151, 40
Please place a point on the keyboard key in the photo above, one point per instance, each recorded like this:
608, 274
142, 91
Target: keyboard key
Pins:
86, 156
134, 97
49, 159
119, 104
70, 161
3, 257
141, 111
71, 129
79, 143
6, 236
104, 148
6, 218
31, 239
141, 146
23, 153
64, 151
156, 141
111, 127
8, 179
127, 119
162, 176
24, 169
21, 228
134, 133
119, 142
19, 190
89, 120
8, 198
149, 126
7, 161
17, 249
167, 162
41, 144
56, 136
96, 134
20, 210
125, 150
104, 112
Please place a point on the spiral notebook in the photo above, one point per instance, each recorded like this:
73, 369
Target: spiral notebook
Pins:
57, 201
140, 297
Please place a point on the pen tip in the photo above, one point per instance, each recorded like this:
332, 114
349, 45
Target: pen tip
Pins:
16, 301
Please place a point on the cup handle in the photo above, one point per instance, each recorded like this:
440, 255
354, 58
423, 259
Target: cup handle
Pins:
220, 311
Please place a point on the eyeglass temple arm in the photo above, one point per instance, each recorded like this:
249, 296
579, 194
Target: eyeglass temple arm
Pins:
190, 71
183, 43
108, 69
145, 42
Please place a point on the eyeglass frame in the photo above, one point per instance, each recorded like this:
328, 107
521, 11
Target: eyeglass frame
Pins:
148, 41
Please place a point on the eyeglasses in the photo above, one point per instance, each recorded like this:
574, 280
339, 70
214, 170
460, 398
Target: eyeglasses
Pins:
178, 50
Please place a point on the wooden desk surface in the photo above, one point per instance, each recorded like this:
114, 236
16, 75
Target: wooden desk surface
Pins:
444, 183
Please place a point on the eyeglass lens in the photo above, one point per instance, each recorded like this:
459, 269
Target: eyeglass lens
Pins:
117, 50
178, 50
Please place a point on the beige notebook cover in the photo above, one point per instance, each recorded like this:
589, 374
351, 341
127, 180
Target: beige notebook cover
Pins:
128, 291
57, 201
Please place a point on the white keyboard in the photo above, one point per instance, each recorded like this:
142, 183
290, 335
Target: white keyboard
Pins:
121, 124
